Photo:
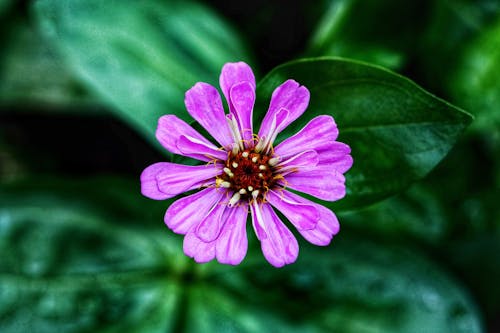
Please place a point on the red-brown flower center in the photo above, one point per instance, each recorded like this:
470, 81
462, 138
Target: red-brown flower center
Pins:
248, 173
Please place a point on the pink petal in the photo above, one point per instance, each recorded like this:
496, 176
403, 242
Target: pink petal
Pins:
233, 73
302, 216
209, 228
191, 147
318, 132
323, 183
204, 104
149, 184
242, 99
326, 227
335, 155
279, 246
196, 248
171, 129
189, 211
290, 96
232, 242
305, 159
278, 119
166, 180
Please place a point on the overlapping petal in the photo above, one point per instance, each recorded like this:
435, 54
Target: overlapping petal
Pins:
233, 73
197, 249
191, 147
302, 216
320, 182
165, 180
229, 247
326, 226
232, 243
317, 133
237, 82
209, 228
187, 212
289, 96
335, 155
204, 104
171, 130
306, 159
242, 100
278, 244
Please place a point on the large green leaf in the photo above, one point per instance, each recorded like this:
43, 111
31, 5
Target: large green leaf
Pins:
76, 257
33, 76
397, 131
416, 214
140, 56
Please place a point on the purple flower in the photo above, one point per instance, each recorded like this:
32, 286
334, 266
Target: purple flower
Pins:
246, 171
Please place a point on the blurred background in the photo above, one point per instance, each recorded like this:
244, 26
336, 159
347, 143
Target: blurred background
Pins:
82, 251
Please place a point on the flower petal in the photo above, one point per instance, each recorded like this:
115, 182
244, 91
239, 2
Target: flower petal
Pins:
336, 155
315, 134
149, 183
233, 73
320, 182
171, 129
197, 249
204, 104
305, 159
189, 211
326, 227
242, 100
302, 216
266, 140
166, 180
290, 96
232, 243
191, 147
209, 228
279, 246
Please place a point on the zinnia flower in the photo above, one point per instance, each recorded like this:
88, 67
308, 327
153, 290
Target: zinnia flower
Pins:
246, 171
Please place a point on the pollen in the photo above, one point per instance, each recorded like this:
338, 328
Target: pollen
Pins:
248, 175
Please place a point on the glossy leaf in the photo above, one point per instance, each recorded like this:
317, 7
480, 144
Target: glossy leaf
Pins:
397, 131
416, 214
74, 262
70, 265
34, 77
140, 56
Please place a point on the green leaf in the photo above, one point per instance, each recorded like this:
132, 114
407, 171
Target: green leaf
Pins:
71, 265
140, 56
416, 214
357, 286
354, 29
33, 77
73, 261
397, 131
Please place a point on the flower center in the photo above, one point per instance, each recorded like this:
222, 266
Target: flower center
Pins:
249, 174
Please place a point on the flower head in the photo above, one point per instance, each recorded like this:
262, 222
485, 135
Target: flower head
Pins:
245, 171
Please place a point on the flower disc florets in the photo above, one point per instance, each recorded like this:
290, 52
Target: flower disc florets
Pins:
250, 174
